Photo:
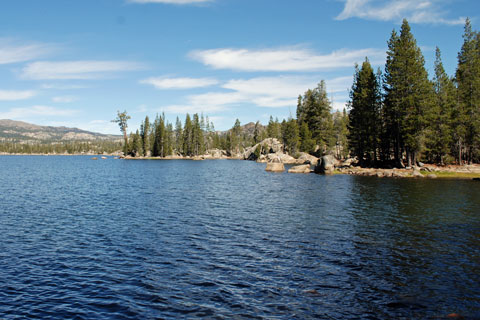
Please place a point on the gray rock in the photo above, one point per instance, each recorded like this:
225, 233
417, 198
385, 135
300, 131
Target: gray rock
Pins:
269, 145
417, 174
305, 168
326, 165
308, 158
275, 167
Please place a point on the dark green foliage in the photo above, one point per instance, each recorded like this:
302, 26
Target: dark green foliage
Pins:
258, 151
307, 144
188, 137
145, 133
136, 144
365, 115
256, 133
439, 132
407, 95
314, 108
290, 136
468, 81
273, 128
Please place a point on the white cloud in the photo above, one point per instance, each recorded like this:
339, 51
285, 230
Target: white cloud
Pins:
12, 52
289, 59
183, 109
170, 1
11, 95
62, 86
86, 69
64, 99
269, 92
34, 111
179, 83
416, 11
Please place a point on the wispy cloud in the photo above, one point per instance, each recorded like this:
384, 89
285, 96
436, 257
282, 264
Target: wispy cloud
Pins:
269, 92
58, 86
171, 1
191, 108
64, 99
12, 51
289, 59
77, 70
416, 11
28, 113
12, 95
179, 83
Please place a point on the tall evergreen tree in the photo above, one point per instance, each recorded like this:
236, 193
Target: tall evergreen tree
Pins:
256, 133
122, 121
439, 132
407, 90
188, 149
307, 144
159, 140
365, 117
178, 136
468, 82
145, 134
290, 136
315, 109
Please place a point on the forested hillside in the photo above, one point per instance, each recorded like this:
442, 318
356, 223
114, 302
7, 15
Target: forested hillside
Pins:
22, 137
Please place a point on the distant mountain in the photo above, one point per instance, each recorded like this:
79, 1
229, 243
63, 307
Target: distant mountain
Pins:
18, 131
247, 129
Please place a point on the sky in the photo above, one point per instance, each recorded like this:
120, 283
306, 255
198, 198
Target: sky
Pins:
76, 63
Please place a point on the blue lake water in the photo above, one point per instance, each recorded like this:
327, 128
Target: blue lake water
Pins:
117, 239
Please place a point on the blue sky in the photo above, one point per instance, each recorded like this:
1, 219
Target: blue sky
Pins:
75, 63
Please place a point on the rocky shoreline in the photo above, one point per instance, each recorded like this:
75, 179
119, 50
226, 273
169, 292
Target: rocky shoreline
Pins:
270, 151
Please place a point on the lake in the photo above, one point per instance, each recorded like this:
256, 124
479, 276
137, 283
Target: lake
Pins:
220, 239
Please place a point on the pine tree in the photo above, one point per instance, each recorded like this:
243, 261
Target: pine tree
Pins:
159, 141
234, 135
145, 134
315, 109
256, 133
188, 137
468, 82
137, 145
290, 136
407, 90
198, 141
307, 144
178, 136
439, 132
364, 118
270, 128
122, 121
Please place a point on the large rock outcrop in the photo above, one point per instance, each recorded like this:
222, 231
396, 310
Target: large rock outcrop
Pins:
282, 157
269, 145
307, 158
326, 165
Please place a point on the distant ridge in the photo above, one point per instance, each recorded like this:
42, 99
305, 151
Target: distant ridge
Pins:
23, 132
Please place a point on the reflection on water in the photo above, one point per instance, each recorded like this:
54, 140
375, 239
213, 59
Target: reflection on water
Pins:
119, 239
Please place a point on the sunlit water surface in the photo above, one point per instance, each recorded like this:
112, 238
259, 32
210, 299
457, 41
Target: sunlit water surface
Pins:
116, 239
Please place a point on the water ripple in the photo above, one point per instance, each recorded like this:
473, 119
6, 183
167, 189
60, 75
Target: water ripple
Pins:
83, 239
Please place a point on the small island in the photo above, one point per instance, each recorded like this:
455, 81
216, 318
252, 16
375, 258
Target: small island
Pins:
399, 123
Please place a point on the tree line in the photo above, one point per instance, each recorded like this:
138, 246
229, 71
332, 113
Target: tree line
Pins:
70, 147
197, 134
397, 117
400, 116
